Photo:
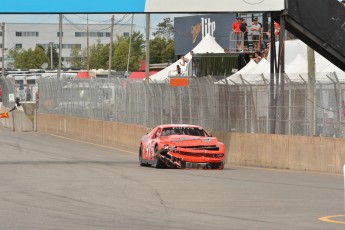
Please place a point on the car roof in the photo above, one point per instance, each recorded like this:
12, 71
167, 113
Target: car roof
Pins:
180, 125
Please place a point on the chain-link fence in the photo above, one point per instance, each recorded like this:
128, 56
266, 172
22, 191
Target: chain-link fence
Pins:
218, 106
24, 87
7, 89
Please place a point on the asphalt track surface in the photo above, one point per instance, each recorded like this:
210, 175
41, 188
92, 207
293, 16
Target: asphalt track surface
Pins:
48, 182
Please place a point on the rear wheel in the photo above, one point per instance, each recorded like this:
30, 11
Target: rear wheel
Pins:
141, 156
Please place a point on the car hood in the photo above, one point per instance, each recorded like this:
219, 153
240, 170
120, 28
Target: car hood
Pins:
185, 140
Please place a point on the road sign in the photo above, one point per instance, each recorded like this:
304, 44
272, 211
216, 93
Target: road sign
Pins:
11, 97
178, 81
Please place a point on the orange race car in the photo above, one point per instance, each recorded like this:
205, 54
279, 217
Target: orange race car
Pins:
181, 146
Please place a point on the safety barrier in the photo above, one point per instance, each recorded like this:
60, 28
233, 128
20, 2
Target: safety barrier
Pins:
319, 154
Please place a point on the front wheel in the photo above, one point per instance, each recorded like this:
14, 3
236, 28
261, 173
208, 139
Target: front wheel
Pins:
158, 163
216, 165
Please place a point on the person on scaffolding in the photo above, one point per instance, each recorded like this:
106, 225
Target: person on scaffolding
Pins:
236, 35
256, 29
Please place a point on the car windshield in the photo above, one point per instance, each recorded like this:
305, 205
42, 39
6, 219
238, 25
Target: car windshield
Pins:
191, 131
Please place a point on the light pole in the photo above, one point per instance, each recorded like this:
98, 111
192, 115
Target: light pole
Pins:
51, 54
3, 50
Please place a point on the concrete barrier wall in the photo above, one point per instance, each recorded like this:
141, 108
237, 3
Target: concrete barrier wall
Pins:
119, 135
258, 150
318, 154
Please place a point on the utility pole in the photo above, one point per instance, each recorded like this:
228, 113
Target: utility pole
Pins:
60, 45
129, 47
87, 44
3, 49
111, 45
272, 111
147, 59
51, 54
311, 89
282, 74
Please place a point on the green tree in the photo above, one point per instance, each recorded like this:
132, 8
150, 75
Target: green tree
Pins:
161, 50
162, 47
39, 57
120, 53
165, 29
12, 53
138, 45
169, 51
99, 56
76, 58
31, 59
157, 46
99, 53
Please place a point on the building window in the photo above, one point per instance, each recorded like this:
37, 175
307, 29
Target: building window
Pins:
1, 33
0, 46
80, 34
26, 34
93, 34
58, 34
19, 46
0, 59
78, 46
126, 34
70, 46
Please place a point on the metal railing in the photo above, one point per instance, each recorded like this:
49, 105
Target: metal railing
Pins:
239, 42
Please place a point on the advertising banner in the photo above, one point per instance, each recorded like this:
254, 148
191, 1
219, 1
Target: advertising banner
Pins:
190, 30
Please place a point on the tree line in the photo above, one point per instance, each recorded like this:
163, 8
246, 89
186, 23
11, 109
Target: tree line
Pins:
161, 51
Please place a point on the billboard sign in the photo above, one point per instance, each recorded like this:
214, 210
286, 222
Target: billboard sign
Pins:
190, 30
139, 6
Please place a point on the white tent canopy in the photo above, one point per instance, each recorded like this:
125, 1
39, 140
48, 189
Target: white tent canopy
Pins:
296, 64
207, 45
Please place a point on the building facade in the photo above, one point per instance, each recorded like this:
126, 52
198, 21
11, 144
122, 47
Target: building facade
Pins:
28, 35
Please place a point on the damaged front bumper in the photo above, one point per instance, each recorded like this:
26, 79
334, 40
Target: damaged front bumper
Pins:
177, 158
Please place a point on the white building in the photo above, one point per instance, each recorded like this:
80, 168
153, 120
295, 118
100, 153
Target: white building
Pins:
28, 35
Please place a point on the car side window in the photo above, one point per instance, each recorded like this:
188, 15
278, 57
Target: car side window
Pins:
166, 132
158, 132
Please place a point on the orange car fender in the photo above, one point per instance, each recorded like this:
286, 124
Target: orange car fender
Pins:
148, 148
150, 145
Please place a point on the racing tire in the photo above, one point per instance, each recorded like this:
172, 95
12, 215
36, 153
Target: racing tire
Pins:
141, 163
216, 165
158, 163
